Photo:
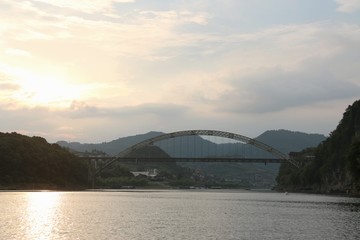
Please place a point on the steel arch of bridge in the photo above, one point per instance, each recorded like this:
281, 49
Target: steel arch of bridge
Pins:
215, 133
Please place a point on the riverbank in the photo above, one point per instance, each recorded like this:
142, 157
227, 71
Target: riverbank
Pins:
343, 193
40, 187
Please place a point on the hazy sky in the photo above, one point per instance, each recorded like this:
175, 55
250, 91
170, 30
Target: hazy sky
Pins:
97, 70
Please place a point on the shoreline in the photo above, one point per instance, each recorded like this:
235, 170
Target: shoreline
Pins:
3, 190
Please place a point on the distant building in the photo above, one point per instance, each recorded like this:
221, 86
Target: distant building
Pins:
149, 173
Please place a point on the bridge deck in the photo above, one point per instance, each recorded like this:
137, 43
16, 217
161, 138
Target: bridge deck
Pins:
212, 159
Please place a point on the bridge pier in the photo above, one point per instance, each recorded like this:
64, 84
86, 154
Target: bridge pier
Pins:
91, 172
93, 182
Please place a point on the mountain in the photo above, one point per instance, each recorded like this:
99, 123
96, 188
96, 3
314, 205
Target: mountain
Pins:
284, 140
289, 141
335, 167
111, 148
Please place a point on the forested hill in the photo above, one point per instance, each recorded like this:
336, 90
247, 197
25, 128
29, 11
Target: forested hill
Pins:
32, 163
336, 163
283, 140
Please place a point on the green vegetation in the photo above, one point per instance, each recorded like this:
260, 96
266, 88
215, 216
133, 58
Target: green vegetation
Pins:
121, 182
248, 175
119, 176
335, 167
354, 158
32, 163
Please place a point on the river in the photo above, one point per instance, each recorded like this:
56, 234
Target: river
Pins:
176, 214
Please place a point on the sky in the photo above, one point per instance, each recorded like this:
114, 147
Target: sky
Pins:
96, 70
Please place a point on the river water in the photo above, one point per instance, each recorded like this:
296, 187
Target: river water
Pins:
201, 214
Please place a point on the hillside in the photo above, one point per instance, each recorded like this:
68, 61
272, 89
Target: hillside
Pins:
111, 148
32, 163
256, 174
283, 140
336, 166
289, 141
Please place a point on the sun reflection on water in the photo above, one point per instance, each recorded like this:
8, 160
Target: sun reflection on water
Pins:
41, 214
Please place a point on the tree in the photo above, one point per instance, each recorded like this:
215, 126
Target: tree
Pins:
354, 158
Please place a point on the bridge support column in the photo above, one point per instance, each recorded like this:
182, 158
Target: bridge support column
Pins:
91, 173
93, 182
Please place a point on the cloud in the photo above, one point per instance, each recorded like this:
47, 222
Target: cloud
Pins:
282, 68
276, 68
84, 110
106, 123
85, 5
159, 109
7, 89
348, 5
17, 52
138, 33
276, 90
148, 65
7, 86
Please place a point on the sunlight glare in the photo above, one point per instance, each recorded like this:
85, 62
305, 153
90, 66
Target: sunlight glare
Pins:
41, 214
53, 89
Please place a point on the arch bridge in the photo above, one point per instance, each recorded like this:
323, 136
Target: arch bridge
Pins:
123, 156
